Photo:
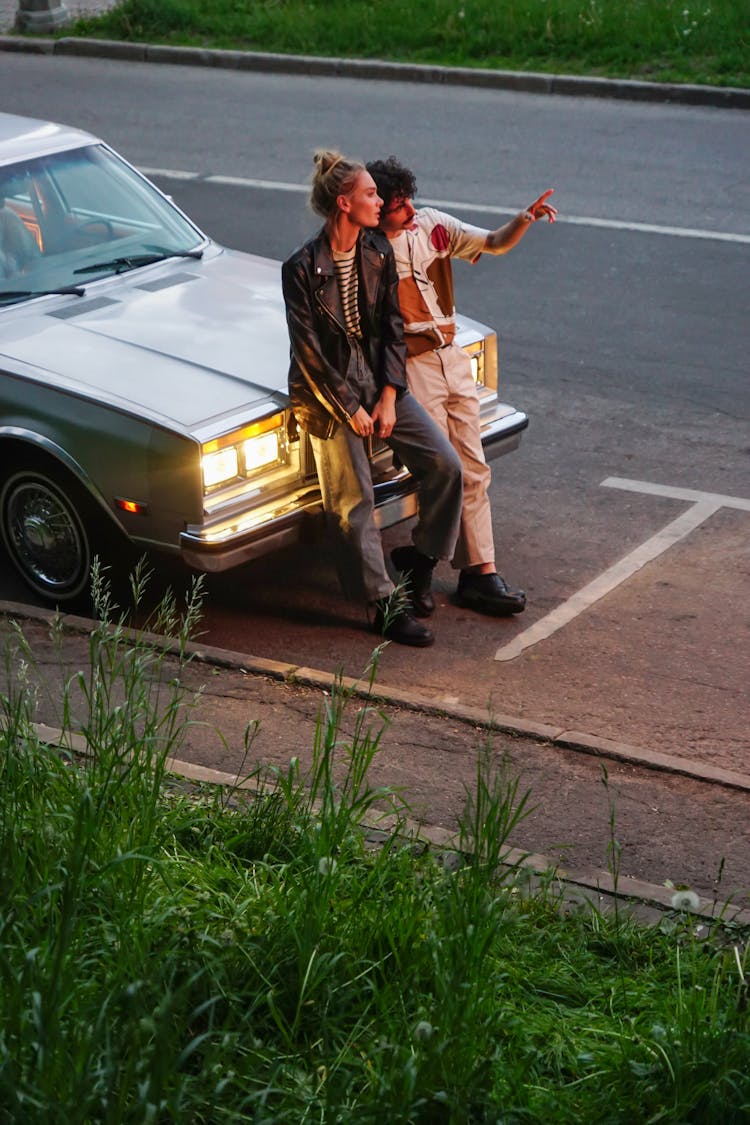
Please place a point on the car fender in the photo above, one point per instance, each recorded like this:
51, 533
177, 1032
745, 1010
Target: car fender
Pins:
54, 452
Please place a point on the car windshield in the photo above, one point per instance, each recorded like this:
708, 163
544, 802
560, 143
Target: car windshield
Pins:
72, 217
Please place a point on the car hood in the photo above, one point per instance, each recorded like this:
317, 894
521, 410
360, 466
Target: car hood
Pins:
186, 342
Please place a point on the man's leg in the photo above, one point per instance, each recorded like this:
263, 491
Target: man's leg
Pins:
445, 381
434, 464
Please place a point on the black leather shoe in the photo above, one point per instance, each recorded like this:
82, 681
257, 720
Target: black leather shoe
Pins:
416, 572
489, 593
400, 626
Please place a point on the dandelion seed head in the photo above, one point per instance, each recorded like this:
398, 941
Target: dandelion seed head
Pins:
685, 900
423, 1031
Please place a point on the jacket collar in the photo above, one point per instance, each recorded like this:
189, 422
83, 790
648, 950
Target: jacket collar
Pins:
323, 255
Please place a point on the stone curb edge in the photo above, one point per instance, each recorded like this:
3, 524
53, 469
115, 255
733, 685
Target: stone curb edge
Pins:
531, 82
292, 674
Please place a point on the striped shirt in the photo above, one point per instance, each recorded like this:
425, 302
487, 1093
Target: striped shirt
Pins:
345, 266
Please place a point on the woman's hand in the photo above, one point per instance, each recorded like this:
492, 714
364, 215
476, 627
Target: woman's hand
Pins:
362, 423
384, 413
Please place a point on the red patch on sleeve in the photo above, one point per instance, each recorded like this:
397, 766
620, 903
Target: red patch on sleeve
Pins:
440, 238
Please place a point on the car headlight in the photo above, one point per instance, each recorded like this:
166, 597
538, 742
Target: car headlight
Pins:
220, 466
260, 451
483, 357
475, 353
244, 452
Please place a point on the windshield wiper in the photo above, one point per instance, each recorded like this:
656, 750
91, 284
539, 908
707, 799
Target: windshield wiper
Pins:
133, 261
27, 294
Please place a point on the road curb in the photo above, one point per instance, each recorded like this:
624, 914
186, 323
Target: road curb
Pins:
561, 737
528, 82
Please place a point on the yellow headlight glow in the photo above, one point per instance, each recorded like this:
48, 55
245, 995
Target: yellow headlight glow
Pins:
475, 353
259, 451
220, 466
243, 452
274, 422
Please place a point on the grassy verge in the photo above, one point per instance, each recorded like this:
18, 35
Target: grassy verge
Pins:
665, 40
178, 956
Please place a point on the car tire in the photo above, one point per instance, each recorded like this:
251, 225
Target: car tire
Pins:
45, 527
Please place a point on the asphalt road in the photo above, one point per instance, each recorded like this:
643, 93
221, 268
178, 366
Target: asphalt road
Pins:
624, 334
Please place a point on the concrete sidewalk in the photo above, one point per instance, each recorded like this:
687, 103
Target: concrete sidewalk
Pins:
671, 827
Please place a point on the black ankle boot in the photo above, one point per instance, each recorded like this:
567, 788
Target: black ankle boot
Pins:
395, 623
416, 571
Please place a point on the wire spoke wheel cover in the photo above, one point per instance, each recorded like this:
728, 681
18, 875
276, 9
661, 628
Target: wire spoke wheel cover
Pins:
44, 536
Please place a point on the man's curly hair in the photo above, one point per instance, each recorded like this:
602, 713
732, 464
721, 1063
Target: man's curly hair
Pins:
393, 180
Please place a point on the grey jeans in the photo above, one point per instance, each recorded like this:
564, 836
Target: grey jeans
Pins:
348, 498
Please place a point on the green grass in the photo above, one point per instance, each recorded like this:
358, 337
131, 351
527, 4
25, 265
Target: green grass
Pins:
171, 955
666, 40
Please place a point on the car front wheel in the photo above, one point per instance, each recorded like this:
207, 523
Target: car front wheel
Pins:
44, 534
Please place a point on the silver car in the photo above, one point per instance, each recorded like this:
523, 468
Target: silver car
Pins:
143, 377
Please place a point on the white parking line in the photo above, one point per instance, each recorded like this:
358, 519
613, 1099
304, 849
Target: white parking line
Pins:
457, 205
689, 494
704, 504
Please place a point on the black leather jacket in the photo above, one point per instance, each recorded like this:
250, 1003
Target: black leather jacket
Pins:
321, 352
